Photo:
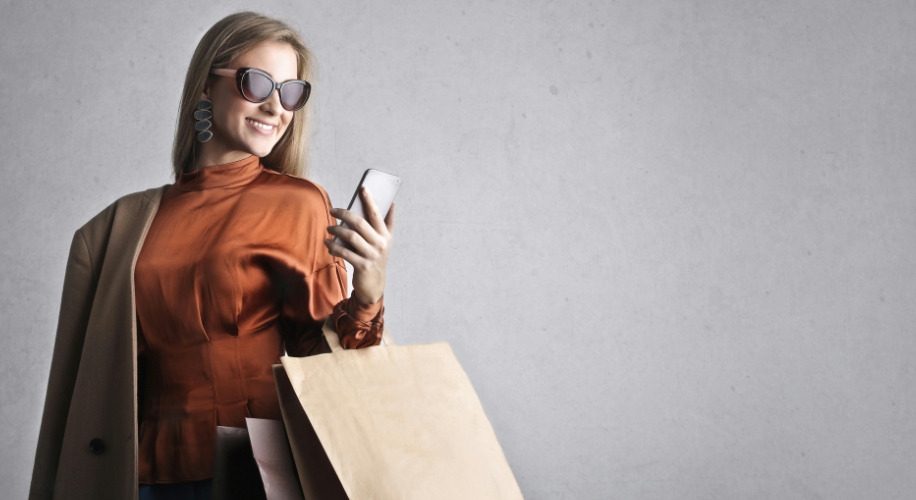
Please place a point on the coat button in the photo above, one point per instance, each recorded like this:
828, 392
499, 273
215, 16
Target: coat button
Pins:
97, 446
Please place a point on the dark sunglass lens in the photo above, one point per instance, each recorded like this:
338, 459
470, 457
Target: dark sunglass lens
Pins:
294, 95
256, 86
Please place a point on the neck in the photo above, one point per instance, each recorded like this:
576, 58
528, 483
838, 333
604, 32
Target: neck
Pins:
210, 155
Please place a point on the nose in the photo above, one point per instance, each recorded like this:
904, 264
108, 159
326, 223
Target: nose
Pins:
272, 105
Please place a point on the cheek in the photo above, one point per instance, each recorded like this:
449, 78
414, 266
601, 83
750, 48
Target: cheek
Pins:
229, 115
287, 123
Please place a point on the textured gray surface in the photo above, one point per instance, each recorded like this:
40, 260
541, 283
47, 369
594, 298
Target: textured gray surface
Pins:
672, 243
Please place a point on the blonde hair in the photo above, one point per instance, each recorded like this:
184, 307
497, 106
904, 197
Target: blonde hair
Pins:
228, 39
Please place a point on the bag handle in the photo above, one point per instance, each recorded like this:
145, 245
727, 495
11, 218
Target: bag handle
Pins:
330, 336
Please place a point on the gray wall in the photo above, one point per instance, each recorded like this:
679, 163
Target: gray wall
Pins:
672, 243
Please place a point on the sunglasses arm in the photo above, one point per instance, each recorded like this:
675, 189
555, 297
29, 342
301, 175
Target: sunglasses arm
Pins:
223, 72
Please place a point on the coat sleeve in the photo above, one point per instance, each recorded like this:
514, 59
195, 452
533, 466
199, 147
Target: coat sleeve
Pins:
75, 305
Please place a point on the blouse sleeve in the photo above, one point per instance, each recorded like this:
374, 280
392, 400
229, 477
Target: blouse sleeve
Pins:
313, 285
306, 307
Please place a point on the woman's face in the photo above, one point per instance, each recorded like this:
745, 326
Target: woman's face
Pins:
241, 127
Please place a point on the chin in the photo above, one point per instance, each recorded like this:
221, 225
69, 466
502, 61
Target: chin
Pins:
260, 149
260, 152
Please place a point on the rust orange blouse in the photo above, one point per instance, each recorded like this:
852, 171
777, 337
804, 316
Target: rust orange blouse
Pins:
232, 270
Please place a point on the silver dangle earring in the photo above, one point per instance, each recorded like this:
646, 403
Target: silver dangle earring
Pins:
203, 115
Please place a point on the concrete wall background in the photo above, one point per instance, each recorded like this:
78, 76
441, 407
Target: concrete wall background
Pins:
672, 243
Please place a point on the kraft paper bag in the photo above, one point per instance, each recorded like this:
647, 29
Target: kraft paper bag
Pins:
274, 460
389, 423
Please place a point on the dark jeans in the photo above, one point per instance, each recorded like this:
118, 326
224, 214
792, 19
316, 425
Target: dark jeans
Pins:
193, 490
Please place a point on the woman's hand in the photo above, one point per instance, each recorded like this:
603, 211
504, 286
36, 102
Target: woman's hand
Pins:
370, 240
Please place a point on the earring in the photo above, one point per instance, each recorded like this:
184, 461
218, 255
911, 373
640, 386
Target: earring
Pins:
202, 115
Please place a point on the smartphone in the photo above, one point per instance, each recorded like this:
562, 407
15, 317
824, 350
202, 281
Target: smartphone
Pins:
382, 188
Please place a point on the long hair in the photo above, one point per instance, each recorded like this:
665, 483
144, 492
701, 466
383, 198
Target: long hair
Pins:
228, 39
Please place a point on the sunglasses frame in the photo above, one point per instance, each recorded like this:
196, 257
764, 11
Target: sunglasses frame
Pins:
241, 72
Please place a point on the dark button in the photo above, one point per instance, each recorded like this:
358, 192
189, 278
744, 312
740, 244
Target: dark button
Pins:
97, 446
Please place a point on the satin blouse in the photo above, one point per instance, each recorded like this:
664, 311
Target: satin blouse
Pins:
232, 272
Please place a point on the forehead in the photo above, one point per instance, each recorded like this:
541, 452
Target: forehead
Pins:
276, 58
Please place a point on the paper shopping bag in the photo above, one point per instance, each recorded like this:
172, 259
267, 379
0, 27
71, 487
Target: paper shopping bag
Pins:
254, 463
389, 423
275, 463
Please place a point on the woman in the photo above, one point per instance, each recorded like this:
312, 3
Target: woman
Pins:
235, 264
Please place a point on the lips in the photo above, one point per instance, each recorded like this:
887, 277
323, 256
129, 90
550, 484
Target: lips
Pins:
264, 128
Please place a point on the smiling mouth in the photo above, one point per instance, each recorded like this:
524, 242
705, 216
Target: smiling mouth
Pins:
260, 125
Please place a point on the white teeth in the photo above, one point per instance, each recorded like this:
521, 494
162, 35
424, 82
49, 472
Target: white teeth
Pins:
261, 125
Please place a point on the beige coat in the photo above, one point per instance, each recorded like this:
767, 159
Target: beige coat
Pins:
87, 445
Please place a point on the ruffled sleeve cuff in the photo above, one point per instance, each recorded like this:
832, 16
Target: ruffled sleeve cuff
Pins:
357, 324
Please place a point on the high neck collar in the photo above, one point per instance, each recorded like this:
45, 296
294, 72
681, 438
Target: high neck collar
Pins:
232, 174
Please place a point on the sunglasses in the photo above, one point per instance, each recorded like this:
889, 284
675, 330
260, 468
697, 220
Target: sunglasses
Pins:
257, 86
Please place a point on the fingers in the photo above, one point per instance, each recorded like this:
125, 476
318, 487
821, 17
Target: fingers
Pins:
357, 224
338, 250
363, 243
357, 242
372, 229
373, 216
